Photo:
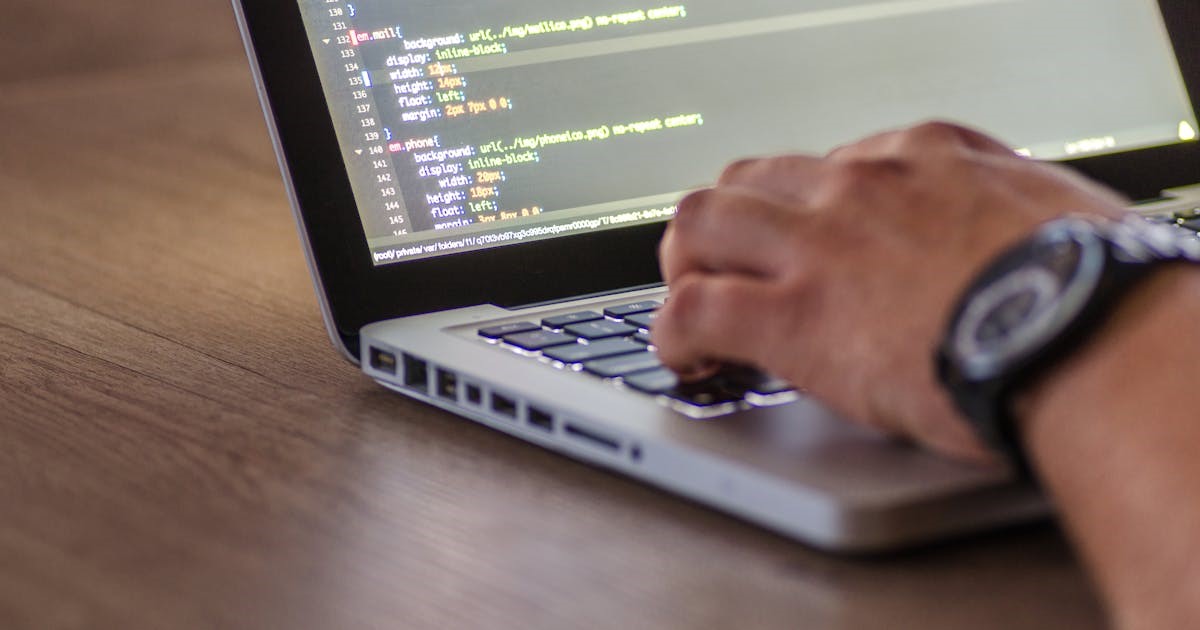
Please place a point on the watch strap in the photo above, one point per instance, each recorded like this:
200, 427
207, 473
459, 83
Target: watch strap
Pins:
1134, 249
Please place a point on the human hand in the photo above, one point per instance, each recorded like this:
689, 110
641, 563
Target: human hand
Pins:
839, 273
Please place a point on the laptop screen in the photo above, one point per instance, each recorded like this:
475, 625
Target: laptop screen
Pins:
466, 125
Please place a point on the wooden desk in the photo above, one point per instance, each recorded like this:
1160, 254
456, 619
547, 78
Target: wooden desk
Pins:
180, 446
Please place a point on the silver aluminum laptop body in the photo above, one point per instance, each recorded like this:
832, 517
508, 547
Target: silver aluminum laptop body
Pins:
796, 469
793, 468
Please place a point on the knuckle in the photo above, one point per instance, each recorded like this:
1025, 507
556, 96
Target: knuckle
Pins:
839, 151
666, 252
869, 145
736, 170
853, 177
934, 133
690, 212
699, 214
691, 203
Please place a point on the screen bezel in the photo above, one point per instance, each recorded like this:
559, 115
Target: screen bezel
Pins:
358, 293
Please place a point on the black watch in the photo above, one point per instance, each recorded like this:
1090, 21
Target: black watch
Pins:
1038, 302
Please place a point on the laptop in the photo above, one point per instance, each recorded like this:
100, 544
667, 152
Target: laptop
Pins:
480, 188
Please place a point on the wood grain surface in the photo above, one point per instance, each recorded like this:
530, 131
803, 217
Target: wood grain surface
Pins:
180, 446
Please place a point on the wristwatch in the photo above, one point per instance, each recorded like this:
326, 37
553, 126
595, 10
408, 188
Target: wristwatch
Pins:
1038, 302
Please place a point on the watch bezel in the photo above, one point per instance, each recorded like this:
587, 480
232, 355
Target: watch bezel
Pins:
1045, 324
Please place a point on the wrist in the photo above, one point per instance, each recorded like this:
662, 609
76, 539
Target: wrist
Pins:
1111, 433
1127, 351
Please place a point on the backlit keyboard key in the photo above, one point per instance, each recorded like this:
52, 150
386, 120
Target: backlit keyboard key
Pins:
616, 345
753, 381
602, 329
654, 381
496, 332
572, 318
538, 340
621, 312
771, 386
707, 394
578, 353
623, 365
642, 320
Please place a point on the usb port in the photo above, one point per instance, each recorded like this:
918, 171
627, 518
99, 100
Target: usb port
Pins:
474, 394
541, 419
447, 385
383, 361
416, 373
504, 405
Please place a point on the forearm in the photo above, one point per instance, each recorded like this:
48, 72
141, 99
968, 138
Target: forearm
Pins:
1114, 433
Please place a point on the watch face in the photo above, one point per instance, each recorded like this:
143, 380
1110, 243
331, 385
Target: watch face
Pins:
1026, 299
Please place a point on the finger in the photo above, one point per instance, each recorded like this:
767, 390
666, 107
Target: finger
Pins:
723, 318
948, 133
728, 230
926, 138
789, 178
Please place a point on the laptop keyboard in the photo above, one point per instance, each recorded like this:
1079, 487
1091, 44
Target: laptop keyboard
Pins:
615, 345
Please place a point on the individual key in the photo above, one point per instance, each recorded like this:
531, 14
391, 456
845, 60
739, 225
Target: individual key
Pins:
706, 399
753, 381
496, 332
623, 365
621, 312
572, 318
704, 394
656, 381
642, 320
602, 329
578, 353
770, 386
757, 388
538, 340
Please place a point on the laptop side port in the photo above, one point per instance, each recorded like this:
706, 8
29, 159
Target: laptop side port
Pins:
474, 394
416, 373
383, 360
541, 420
592, 438
447, 384
504, 406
